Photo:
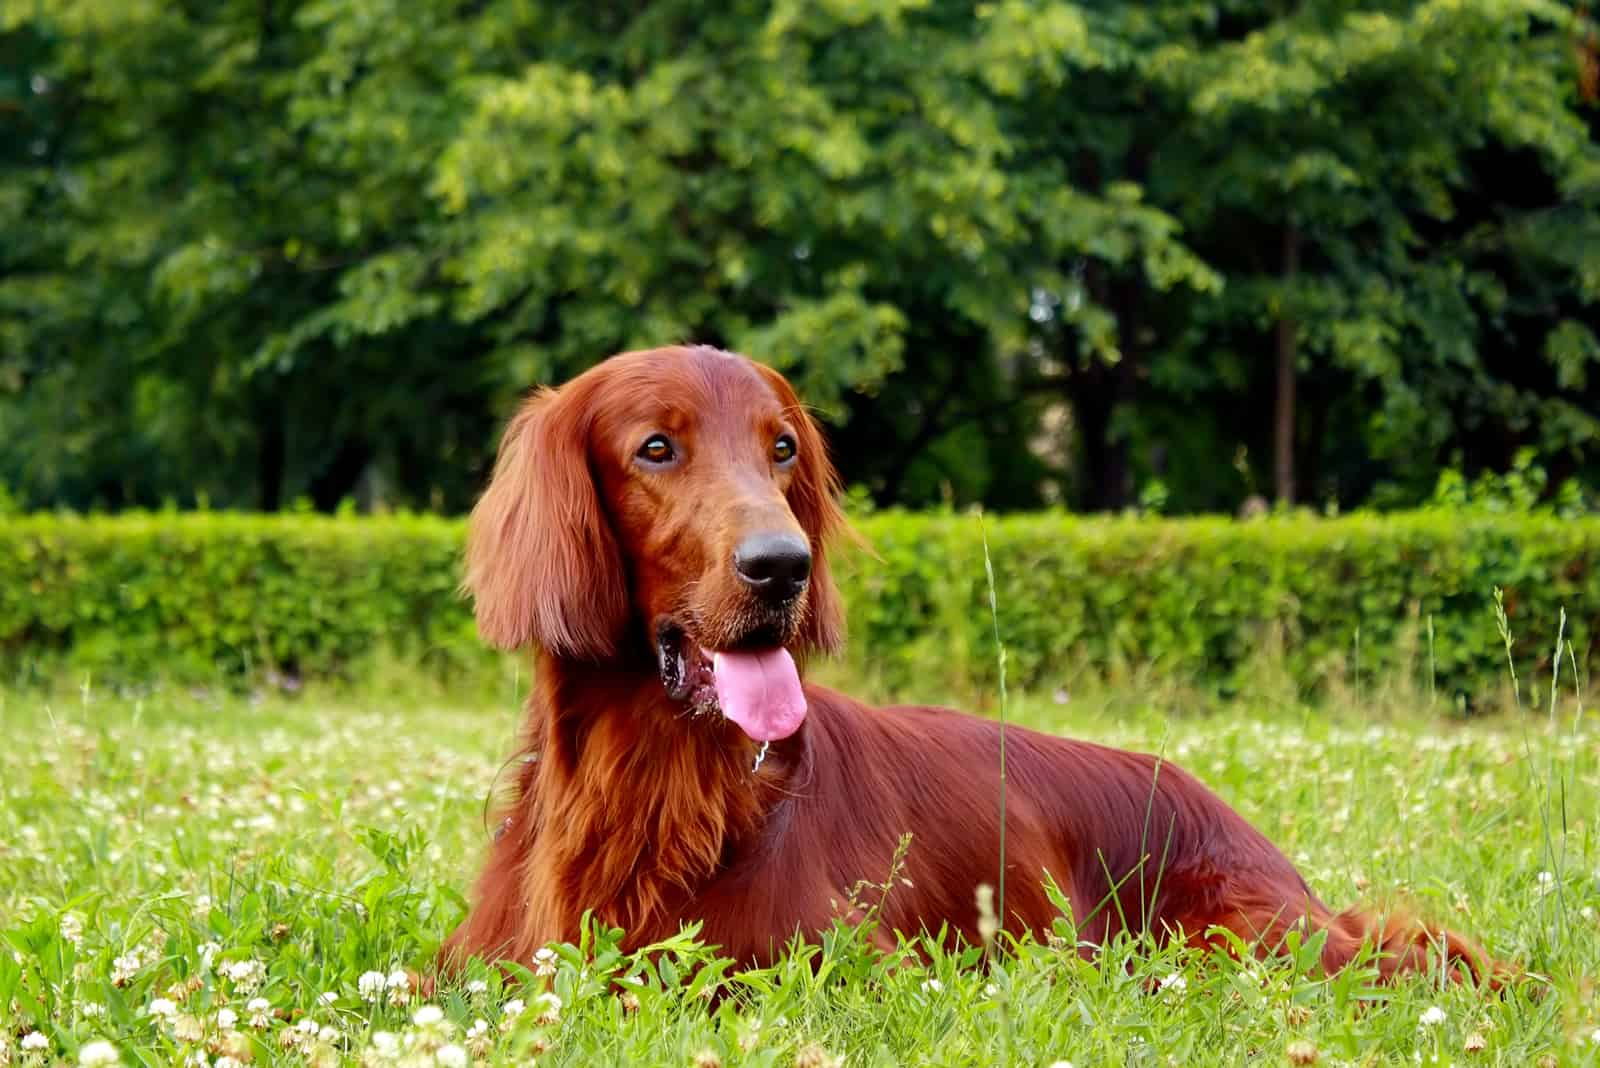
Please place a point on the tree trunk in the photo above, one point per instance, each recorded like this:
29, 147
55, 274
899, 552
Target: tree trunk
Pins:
1283, 419
270, 459
1097, 392
1316, 423
338, 479
1091, 412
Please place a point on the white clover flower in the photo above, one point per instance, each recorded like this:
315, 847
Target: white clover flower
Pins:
427, 1016
163, 1007
1547, 882
476, 987
1432, 1017
188, 1028
260, 1010
329, 1034
544, 961
1175, 982
370, 986
227, 1019
99, 1054
479, 1040
246, 975
513, 1008
450, 1055
72, 928
124, 968
934, 985
399, 984
208, 952
33, 1041
328, 997
307, 1026
387, 1044
549, 1010
91, 1010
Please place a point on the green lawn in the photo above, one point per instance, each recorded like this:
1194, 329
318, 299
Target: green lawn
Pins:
185, 876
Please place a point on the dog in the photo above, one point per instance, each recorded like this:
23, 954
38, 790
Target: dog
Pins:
658, 529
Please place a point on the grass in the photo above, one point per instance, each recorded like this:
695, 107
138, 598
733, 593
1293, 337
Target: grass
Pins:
189, 877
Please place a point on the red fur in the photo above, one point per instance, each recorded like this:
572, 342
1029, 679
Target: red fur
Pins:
540, 557
651, 818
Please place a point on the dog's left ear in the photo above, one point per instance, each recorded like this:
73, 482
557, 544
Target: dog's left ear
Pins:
814, 499
542, 564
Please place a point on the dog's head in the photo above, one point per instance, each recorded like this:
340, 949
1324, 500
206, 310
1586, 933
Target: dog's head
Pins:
677, 501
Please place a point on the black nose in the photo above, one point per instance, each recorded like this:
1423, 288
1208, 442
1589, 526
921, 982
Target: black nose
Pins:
774, 565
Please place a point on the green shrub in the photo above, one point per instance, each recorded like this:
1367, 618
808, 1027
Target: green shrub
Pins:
198, 596
1203, 598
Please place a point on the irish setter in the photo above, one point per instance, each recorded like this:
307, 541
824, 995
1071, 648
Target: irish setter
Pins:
657, 528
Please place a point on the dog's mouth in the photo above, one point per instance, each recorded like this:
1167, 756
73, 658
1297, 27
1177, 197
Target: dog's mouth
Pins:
756, 686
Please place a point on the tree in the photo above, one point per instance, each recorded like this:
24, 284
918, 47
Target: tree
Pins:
254, 253
1331, 165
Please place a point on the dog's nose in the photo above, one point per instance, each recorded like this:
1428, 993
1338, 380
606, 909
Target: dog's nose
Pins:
774, 565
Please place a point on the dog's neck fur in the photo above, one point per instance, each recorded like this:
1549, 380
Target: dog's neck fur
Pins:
633, 802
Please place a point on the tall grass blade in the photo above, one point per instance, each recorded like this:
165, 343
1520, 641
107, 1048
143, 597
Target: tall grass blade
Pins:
994, 617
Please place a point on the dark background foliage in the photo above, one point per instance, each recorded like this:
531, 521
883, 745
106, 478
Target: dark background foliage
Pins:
1102, 253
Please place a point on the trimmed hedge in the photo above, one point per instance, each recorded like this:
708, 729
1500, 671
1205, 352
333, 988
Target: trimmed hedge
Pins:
198, 596
1208, 598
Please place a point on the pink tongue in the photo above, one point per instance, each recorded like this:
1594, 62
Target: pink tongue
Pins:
760, 692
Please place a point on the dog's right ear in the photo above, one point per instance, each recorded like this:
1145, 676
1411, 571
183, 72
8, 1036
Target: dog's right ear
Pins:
542, 563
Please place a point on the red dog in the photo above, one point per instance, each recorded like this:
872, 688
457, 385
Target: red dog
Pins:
657, 528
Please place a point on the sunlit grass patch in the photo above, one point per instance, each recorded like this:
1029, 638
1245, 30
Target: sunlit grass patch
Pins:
187, 877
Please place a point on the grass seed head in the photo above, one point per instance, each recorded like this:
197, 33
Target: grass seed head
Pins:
1302, 1052
813, 1055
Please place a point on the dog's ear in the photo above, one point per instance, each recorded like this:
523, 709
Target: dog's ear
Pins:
542, 564
814, 499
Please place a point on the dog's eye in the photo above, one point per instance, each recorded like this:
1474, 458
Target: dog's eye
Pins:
784, 449
656, 450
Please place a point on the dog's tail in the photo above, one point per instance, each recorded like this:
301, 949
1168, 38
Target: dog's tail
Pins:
1395, 942
1404, 944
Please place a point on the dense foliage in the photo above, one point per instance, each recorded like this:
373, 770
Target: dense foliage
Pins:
1017, 252
1331, 602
